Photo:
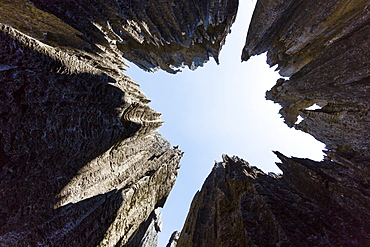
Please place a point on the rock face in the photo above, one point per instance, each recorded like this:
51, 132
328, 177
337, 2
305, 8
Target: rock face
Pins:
312, 204
173, 239
294, 33
147, 235
324, 48
81, 161
152, 34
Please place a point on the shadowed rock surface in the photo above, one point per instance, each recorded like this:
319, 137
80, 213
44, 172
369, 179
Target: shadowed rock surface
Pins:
312, 204
152, 34
81, 161
294, 33
173, 239
147, 234
324, 47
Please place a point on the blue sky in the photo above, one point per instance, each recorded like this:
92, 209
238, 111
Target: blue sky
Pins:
216, 110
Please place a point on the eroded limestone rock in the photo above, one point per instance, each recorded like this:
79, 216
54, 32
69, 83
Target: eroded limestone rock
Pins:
324, 48
312, 204
173, 239
147, 235
296, 32
152, 34
81, 161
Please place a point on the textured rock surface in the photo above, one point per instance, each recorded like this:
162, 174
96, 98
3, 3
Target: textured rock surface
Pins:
152, 34
325, 49
312, 204
147, 235
81, 161
173, 239
296, 32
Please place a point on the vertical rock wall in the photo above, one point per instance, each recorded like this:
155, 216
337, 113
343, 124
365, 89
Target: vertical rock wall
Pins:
81, 161
312, 204
152, 34
324, 48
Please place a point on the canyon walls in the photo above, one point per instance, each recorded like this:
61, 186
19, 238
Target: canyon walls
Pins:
323, 47
82, 163
152, 34
311, 204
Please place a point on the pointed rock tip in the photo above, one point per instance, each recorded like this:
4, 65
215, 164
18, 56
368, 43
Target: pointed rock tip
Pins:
246, 54
279, 155
225, 157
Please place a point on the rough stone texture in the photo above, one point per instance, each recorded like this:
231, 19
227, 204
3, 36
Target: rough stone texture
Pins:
81, 161
324, 47
295, 32
173, 239
312, 204
147, 234
152, 34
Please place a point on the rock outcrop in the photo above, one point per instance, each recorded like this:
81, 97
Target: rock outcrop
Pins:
152, 34
81, 161
312, 204
147, 235
324, 48
173, 239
